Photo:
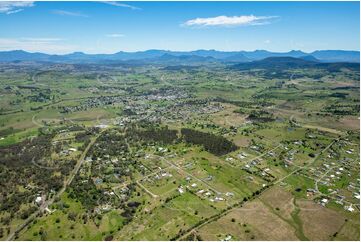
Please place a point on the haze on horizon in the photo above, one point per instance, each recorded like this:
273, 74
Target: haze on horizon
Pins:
109, 27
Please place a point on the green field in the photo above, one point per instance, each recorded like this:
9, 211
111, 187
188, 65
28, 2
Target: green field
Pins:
100, 153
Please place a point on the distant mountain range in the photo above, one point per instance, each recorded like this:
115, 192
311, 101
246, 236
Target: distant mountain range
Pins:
176, 57
283, 63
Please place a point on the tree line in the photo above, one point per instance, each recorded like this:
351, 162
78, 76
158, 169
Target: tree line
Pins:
214, 144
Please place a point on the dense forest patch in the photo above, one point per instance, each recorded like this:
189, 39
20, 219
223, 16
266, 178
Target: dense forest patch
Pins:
214, 144
162, 135
261, 116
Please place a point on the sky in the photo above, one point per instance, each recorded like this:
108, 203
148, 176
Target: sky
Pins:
109, 27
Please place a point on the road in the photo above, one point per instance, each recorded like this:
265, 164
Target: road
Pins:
265, 153
43, 167
146, 190
61, 191
189, 174
309, 163
33, 119
211, 219
171, 165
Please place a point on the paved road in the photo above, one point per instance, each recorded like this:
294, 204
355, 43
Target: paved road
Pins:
62, 190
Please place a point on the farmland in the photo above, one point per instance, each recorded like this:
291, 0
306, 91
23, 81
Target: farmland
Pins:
157, 152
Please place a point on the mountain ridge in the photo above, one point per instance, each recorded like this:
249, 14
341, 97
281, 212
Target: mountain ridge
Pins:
284, 63
222, 56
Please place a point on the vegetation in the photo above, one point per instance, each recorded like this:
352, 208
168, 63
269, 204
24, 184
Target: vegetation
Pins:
160, 151
217, 145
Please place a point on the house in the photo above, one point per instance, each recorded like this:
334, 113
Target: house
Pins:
324, 201
228, 238
101, 126
310, 192
180, 190
163, 150
349, 208
209, 178
39, 200
106, 207
241, 156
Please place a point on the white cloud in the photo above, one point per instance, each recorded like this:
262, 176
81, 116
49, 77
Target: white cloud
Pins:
15, 11
123, 5
225, 21
267, 41
68, 13
47, 45
115, 35
8, 7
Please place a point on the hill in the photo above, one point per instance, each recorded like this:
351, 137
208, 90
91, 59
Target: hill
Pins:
202, 55
284, 63
337, 55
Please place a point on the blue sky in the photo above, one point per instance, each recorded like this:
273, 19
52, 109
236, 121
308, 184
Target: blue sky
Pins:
98, 27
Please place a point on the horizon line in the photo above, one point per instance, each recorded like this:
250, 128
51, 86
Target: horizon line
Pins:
306, 52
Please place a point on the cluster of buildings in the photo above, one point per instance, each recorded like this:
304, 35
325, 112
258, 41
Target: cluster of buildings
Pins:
329, 175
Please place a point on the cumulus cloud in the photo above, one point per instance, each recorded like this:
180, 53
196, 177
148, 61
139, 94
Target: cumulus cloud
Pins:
115, 35
14, 7
47, 45
68, 13
225, 21
123, 5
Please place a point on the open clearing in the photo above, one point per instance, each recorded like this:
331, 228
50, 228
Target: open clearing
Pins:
252, 221
319, 223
